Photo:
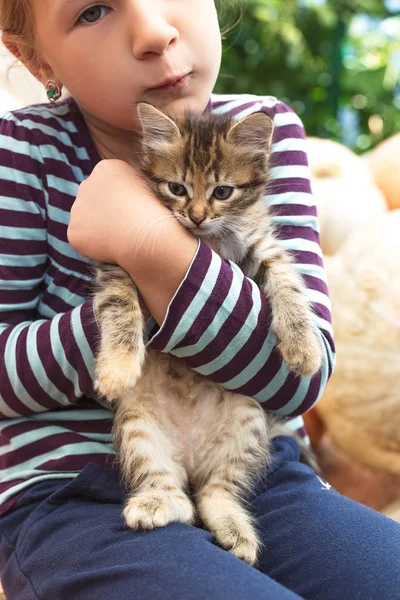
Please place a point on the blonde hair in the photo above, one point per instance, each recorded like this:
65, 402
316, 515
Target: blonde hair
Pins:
227, 7
17, 19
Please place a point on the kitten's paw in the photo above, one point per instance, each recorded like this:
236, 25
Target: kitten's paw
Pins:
156, 508
302, 352
117, 372
238, 537
230, 523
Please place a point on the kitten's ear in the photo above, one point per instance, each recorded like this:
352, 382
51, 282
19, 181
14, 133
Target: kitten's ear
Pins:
158, 128
254, 132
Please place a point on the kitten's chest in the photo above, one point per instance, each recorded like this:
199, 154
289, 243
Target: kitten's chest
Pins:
190, 407
236, 248
232, 249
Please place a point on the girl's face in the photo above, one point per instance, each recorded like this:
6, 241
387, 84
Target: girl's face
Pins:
111, 55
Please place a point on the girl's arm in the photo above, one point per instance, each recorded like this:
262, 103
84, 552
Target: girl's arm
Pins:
44, 363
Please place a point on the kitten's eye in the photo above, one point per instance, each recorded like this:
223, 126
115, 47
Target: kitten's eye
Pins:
223, 192
177, 189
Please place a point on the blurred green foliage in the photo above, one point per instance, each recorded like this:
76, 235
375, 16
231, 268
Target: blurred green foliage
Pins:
336, 62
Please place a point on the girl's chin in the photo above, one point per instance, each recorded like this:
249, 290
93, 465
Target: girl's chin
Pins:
179, 107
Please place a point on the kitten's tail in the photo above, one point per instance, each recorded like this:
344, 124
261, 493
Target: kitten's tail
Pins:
307, 455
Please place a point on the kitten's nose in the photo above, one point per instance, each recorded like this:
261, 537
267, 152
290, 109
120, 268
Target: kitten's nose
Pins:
197, 219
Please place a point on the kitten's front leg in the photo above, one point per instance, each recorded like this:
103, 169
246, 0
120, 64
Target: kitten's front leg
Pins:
122, 352
291, 313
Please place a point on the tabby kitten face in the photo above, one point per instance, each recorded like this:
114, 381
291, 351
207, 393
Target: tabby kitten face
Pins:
207, 169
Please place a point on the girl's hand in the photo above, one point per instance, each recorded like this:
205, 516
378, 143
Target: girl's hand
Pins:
112, 212
117, 219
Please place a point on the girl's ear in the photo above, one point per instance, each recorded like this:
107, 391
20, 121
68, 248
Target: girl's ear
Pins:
11, 44
158, 129
28, 56
254, 132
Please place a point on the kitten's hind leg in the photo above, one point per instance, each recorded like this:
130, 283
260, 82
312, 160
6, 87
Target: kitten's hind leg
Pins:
156, 481
122, 352
223, 480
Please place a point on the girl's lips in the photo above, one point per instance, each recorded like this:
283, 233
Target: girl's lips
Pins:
179, 85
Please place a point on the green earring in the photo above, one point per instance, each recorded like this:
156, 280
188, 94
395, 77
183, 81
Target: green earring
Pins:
53, 90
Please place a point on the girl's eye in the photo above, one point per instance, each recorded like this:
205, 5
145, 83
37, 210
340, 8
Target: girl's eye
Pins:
93, 14
223, 192
177, 189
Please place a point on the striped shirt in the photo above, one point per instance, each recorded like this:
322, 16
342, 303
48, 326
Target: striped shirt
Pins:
218, 322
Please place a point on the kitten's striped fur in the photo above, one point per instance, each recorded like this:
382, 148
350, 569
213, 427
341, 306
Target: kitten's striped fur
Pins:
189, 449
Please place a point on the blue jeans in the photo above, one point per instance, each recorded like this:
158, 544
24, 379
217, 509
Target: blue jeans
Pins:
68, 542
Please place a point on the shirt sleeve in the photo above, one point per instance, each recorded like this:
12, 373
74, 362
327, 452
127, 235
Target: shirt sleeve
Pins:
44, 363
219, 320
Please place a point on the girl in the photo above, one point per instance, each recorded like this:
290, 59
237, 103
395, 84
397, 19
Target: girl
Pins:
69, 194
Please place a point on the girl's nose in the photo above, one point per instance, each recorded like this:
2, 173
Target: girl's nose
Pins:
150, 30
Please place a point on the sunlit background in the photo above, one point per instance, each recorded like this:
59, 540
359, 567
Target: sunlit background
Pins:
336, 62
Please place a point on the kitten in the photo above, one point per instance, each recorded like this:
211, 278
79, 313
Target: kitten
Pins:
188, 448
